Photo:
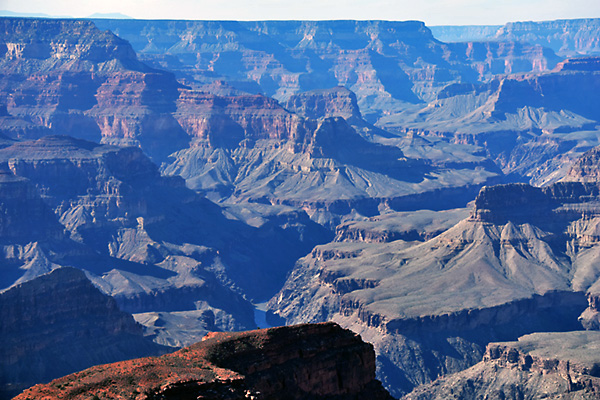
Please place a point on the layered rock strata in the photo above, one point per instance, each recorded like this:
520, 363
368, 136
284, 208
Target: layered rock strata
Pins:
386, 63
524, 261
532, 125
319, 361
147, 240
69, 77
538, 366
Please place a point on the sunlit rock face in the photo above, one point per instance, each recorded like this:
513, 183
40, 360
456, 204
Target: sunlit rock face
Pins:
69, 77
319, 361
543, 365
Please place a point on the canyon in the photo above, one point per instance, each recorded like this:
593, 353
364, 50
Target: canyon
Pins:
439, 199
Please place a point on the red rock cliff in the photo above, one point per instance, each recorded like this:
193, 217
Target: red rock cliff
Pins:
318, 361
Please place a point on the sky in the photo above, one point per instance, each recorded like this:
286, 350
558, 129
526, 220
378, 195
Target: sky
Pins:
432, 12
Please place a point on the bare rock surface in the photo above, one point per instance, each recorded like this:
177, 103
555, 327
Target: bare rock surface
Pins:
60, 323
147, 240
521, 263
537, 366
321, 361
566, 37
69, 77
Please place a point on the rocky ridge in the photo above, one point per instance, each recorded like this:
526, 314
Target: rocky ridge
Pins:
525, 254
136, 233
532, 125
320, 361
567, 38
231, 146
541, 365
69, 77
263, 153
385, 63
57, 314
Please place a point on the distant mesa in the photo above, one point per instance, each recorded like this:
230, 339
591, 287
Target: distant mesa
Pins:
109, 16
7, 13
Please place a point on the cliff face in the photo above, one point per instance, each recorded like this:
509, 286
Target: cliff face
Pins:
566, 37
57, 314
147, 240
387, 64
68, 77
297, 362
530, 125
521, 263
25, 217
550, 366
586, 168
325, 103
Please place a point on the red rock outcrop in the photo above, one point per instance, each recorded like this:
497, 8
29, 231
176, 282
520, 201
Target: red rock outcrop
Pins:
225, 121
319, 361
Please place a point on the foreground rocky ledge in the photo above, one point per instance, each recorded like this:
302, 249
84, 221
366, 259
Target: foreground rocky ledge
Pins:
311, 361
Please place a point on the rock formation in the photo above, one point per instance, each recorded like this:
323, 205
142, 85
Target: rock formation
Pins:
428, 290
567, 37
147, 240
532, 125
538, 366
69, 77
60, 323
586, 168
319, 361
266, 154
386, 63
523, 262
326, 103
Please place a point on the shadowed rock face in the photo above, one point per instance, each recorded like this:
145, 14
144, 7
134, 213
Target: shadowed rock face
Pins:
319, 361
147, 240
60, 323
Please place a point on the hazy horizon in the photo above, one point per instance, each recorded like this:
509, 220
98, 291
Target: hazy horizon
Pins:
433, 12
